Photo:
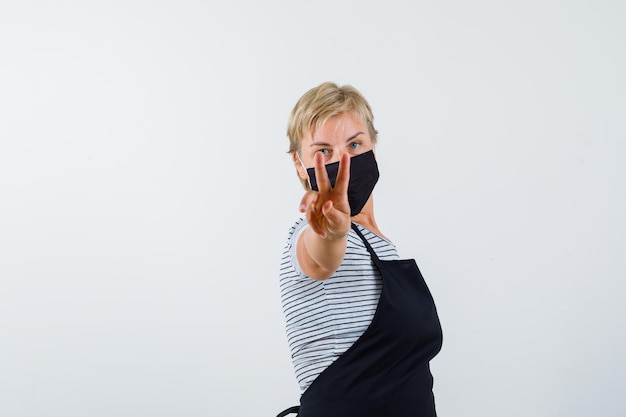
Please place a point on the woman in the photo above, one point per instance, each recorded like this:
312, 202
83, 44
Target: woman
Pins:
361, 324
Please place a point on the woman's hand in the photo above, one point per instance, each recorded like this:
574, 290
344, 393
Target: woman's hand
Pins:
322, 246
328, 210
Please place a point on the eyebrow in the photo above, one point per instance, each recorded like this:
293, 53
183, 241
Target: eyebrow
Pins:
328, 144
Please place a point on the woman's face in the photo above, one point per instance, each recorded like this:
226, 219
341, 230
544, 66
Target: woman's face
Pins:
344, 133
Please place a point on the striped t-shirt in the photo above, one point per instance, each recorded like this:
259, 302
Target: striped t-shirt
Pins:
325, 317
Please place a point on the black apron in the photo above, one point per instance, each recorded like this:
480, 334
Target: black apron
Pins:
386, 372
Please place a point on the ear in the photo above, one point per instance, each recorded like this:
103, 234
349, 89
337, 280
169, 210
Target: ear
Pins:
299, 167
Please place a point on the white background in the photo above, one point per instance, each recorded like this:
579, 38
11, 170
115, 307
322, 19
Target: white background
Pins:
146, 194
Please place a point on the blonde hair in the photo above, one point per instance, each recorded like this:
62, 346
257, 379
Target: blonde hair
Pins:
321, 103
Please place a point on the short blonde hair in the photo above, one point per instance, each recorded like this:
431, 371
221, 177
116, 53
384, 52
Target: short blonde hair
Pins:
321, 103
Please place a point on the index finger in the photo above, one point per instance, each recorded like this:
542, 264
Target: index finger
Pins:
321, 175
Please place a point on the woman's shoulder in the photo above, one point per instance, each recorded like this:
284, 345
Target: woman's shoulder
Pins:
383, 247
371, 236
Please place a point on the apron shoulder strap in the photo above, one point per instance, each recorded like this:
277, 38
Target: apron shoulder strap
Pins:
367, 244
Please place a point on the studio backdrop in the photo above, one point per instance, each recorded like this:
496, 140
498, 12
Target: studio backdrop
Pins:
146, 194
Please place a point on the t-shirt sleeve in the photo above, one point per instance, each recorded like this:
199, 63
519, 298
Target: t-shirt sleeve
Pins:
292, 242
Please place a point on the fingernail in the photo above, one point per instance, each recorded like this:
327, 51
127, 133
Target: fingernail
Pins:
302, 207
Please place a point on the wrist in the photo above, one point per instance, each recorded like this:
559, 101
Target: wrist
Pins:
335, 237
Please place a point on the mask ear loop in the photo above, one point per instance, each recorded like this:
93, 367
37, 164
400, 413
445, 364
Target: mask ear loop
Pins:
305, 170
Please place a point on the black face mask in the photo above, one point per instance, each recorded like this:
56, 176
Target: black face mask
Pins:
363, 177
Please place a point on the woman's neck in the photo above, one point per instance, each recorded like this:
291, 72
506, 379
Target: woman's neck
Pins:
366, 217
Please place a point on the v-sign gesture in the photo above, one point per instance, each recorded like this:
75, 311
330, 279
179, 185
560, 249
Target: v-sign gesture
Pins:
328, 210
321, 248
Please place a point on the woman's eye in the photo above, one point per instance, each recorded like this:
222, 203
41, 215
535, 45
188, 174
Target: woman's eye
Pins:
323, 151
354, 145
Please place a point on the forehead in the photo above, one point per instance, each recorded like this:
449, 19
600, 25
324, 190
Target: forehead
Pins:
338, 127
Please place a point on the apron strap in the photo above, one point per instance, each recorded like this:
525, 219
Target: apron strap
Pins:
291, 410
367, 244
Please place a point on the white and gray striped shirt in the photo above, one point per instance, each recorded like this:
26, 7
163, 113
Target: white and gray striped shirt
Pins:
324, 318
